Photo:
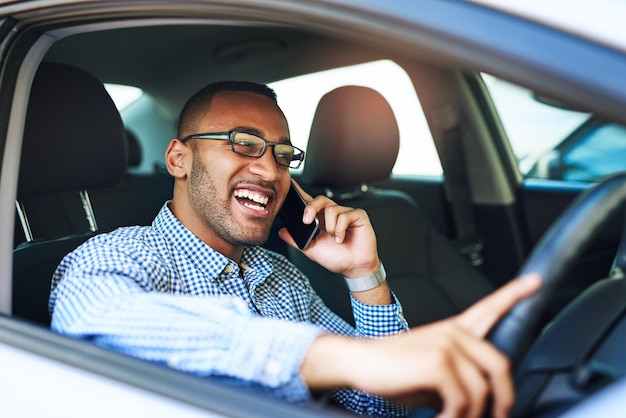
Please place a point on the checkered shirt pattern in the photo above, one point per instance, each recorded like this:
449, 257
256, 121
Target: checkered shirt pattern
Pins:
161, 294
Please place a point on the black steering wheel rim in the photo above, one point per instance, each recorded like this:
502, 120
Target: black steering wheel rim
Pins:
564, 241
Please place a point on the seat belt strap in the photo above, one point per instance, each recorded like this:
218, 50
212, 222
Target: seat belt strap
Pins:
449, 143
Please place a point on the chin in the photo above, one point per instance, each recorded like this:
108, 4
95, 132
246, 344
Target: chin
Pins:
255, 238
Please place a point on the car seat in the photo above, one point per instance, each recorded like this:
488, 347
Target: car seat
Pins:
353, 143
137, 199
74, 140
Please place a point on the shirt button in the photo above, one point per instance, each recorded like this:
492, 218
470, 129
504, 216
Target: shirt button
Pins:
173, 361
273, 368
229, 268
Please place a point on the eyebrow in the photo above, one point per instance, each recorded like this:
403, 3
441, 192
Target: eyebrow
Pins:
256, 132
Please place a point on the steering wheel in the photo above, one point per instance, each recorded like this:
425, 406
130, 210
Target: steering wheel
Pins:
551, 258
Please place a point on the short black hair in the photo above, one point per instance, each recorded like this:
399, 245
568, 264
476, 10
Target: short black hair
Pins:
201, 101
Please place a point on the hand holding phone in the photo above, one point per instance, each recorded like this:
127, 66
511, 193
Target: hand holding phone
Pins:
291, 214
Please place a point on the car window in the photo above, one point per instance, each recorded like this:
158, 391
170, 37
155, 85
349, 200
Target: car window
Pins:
552, 142
595, 154
298, 97
123, 95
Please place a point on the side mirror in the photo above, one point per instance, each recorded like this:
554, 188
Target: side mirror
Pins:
548, 166
555, 166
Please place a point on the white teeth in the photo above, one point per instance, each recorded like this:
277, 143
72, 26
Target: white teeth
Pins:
255, 197
255, 207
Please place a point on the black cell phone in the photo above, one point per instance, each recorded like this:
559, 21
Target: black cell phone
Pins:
291, 215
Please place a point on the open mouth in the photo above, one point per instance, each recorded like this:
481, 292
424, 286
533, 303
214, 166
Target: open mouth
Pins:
252, 199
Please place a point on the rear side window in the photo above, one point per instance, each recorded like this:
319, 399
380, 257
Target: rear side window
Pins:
123, 95
298, 97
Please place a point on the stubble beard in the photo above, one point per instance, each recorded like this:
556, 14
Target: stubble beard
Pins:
216, 213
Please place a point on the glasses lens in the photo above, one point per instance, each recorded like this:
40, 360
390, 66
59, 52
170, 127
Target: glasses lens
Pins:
247, 144
285, 154
254, 146
297, 159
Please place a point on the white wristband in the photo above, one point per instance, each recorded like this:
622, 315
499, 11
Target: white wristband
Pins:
369, 282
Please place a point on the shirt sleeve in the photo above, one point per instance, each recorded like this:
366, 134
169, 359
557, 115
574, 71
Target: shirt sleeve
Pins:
100, 298
372, 321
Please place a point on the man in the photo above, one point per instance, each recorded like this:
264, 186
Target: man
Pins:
195, 292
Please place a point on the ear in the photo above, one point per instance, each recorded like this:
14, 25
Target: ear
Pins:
177, 157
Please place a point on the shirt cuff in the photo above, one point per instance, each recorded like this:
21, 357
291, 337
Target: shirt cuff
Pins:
270, 352
378, 320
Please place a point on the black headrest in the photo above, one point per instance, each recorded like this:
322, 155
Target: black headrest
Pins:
74, 138
354, 139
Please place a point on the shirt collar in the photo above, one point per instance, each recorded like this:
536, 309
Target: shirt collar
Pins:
207, 260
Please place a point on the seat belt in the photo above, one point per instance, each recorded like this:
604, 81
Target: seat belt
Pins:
449, 143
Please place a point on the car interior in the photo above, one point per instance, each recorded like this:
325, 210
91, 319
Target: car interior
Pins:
445, 241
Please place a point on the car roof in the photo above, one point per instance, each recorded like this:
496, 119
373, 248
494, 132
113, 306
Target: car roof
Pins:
180, 50
239, 38
601, 21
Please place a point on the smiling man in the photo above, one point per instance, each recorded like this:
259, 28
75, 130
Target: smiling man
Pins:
228, 203
195, 291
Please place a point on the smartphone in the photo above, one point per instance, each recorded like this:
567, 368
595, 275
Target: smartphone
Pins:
291, 215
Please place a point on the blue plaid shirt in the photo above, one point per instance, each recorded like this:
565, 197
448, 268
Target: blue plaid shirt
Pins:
161, 294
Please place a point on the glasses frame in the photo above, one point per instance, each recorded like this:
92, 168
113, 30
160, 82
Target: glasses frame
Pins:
230, 136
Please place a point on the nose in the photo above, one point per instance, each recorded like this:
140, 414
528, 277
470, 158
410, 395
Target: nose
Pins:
266, 166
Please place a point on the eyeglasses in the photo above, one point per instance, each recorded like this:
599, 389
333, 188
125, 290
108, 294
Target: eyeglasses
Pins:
244, 143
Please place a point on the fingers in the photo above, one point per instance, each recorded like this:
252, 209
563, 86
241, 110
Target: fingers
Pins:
495, 375
483, 315
463, 370
467, 392
477, 373
452, 391
477, 321
336, 220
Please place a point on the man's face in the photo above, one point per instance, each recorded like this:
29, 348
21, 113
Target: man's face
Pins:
235, 197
